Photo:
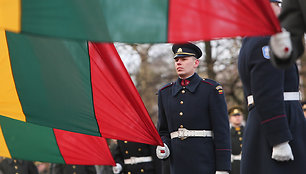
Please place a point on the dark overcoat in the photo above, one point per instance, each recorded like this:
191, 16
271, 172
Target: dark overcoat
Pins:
126, 150
271, 120
11, 166
236, 140
198, 106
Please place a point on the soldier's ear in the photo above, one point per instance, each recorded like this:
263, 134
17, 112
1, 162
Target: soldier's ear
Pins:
196, 63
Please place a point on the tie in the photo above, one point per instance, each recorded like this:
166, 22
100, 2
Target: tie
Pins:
185, 82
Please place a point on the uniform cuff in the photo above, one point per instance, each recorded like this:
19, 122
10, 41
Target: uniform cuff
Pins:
277, 131
223, 159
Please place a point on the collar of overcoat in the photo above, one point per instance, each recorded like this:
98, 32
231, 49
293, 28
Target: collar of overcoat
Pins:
195, 80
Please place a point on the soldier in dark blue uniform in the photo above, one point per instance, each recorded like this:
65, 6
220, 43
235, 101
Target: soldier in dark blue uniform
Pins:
193, 121
274, 139
13, 166
237, 128
136, 158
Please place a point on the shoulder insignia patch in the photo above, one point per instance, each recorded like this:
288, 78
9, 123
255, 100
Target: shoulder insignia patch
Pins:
265, 52
219, 89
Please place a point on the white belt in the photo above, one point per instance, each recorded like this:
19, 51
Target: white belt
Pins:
236, 157
288, 96
136, 160
185, 133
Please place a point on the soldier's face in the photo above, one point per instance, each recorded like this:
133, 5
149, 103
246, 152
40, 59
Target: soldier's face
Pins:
236, 120
186, 66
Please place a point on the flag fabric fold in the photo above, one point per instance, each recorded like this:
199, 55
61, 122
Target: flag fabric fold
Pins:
115, 108
138, 21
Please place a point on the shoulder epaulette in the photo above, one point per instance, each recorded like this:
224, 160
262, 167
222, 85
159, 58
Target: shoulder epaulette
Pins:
210, 82
167, 85
217, 85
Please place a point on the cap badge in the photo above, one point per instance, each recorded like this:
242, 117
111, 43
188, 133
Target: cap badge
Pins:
179, 50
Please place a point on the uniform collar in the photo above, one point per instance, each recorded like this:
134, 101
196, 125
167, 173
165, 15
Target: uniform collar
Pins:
194, 82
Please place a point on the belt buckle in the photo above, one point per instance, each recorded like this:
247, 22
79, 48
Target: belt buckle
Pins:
133, 160
182, 133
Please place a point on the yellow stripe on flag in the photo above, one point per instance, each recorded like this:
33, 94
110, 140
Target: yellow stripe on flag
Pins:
3, 147
10, 105
10, 14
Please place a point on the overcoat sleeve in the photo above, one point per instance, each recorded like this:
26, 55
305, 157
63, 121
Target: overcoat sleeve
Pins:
162, 125
220, 126
267, 88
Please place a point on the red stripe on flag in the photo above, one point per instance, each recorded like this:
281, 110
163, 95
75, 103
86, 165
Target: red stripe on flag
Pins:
212, 19
119, 109
83, 149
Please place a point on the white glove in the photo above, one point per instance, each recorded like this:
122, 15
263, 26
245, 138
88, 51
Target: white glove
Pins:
282, 152
162, 152
281, 44
222, 172
117, 169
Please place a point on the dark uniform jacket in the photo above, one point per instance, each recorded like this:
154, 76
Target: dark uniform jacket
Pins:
10, 166
236, 140
73, 169
198, 106
271, 120
128, 150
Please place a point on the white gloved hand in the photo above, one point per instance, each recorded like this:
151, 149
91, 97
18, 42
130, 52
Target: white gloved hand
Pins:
222, 172
162, 152
281, 44
117, 169
282, 152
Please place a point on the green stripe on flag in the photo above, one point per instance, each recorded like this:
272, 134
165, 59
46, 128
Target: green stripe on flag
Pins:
29, 141
137, 20
52, 78
97, 20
